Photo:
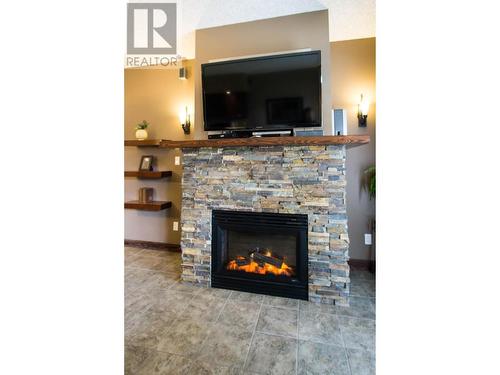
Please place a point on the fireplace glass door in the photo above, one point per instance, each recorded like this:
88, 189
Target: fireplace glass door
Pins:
260, 252
265, 253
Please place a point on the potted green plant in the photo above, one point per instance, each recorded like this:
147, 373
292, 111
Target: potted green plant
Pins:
370, 181
370, 185
140, 130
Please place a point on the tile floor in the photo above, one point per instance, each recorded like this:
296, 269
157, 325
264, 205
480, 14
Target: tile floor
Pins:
173, 328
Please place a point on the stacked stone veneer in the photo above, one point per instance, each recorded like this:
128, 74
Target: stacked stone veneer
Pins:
282, 179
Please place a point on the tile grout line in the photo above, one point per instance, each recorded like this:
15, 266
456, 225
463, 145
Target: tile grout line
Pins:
355, 317
282, 307
149, 269
177, 317
344, 347
253, 334
142, 253
344, 315
298, 341
223, 307
168, 330
277, 335
151, 307
138, 253
206, 338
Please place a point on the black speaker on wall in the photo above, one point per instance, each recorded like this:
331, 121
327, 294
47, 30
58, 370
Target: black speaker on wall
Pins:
339, 117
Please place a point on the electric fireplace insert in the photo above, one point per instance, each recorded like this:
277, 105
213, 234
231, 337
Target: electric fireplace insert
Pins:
260, 252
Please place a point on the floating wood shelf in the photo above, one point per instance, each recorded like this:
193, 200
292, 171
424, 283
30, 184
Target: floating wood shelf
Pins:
148, 174
151, 206
347, 140
144, 143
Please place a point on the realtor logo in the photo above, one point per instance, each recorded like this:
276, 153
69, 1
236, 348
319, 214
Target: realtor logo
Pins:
151, 28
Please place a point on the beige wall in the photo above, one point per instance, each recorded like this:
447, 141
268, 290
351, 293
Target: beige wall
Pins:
155, 95
298, 31
353, 73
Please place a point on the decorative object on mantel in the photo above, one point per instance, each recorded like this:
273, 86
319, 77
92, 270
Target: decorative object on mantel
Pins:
146, 194
185, 120
339, 119
363, 111
140, 130
305, 132
146, 163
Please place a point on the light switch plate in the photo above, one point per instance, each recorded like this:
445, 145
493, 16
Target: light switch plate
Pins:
176, 226
368, 239
177, 160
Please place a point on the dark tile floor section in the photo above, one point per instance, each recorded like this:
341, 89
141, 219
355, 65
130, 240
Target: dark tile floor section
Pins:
173, 328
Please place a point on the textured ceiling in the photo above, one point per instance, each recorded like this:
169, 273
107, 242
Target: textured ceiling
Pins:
349, 19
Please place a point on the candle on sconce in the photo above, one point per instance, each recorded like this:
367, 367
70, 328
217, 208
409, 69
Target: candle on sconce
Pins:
184, 119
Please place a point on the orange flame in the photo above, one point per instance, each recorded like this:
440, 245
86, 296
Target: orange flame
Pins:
253, 267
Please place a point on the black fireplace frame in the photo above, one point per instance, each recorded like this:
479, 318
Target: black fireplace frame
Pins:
294, 287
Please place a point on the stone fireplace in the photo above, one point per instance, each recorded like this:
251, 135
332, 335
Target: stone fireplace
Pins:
308, 181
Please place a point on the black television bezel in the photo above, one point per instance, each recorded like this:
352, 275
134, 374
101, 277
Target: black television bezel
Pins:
268, 57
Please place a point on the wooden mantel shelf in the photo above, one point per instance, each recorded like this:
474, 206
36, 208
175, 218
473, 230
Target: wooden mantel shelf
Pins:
347, 140
148, 174
143, 143
150, 206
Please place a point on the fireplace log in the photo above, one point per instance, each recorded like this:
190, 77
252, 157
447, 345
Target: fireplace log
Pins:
242, 261
259, 257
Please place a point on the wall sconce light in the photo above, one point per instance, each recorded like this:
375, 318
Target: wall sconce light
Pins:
363, 111
185, 120
183, 73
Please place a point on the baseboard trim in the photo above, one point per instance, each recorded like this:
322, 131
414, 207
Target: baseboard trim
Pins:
153, 245
356, 263
364, 264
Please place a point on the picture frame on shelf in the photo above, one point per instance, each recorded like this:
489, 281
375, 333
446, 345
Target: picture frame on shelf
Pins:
146, 163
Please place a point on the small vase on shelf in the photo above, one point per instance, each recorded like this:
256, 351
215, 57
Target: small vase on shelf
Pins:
141, 133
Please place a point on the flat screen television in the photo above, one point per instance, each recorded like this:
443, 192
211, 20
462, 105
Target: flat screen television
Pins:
276, 92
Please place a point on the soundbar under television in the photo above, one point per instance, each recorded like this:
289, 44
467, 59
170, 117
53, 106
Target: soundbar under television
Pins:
277, 92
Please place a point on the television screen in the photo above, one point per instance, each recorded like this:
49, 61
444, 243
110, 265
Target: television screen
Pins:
263, 93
